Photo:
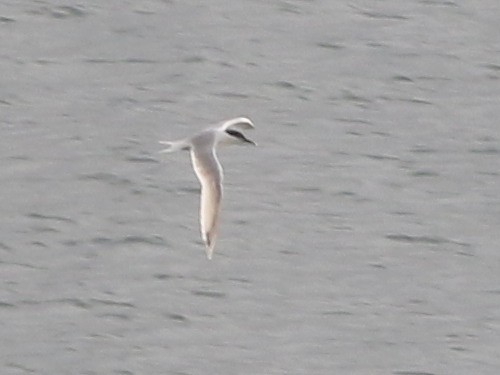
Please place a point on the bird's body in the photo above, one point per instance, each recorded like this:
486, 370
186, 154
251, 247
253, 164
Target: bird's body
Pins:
202, 147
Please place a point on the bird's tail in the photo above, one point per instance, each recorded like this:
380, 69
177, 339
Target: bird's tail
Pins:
175, 146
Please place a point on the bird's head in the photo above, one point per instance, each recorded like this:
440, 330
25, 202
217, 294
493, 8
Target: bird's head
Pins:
230, 131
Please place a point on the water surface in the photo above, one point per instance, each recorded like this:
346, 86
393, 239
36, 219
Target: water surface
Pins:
360, 237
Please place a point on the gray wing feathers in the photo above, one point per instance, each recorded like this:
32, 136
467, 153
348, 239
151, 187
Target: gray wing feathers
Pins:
237, 123
209, 173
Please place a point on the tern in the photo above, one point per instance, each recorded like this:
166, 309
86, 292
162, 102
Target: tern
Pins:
202, 147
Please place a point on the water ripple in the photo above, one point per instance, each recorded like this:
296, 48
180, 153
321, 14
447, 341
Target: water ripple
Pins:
400, 78
423, 150
120, 316
194, 60
428, 240
129, 60
439, 3
142, 159
381, 157
177, 317
66, 11
231, 95
36, 215
417, 239
59, 12
76, 302
486, 150
154, 240
6, 305
285, 85
378, 15
165, 276
18, 366
424, 173
205, 293
352, 97
109, 178
4, 246
108, 302
329, 45
131, 239
7, 20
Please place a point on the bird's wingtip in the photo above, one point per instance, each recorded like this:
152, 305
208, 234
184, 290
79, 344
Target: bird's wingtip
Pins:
210, 251
238, 122
209, 245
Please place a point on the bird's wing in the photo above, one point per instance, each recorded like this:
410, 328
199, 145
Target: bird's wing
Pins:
209, 172
237, 123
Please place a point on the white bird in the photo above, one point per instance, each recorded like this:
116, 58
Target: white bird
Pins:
209, 171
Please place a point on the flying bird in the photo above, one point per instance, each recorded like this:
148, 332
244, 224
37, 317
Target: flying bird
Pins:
202, 147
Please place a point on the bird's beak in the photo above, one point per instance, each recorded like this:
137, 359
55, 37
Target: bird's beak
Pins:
250, 141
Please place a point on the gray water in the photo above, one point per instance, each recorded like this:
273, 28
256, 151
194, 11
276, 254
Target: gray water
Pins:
360, 237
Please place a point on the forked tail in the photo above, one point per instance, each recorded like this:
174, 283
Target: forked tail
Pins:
175, 146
